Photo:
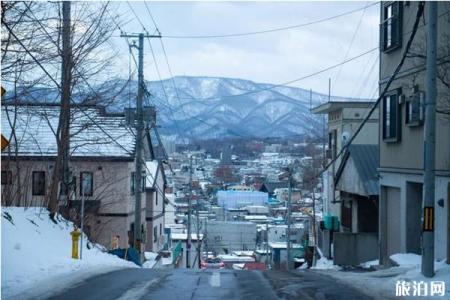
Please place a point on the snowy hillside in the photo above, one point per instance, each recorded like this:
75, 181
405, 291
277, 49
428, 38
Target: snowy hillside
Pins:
36, 255
211, 107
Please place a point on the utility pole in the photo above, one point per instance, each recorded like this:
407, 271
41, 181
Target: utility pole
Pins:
310, 99
430, 144
197, 215
288, 235
139, 137
66, 81
314, 207
267, 244
329, 89
188, 240
82, 221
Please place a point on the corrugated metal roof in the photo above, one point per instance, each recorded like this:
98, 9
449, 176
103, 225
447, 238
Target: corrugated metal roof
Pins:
365, 158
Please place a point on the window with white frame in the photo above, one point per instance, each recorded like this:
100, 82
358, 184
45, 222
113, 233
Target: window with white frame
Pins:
86, 184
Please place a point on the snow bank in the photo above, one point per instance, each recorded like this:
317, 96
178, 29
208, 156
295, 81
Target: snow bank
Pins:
381, 284
150, 260
36, 255
406, 259
325, 264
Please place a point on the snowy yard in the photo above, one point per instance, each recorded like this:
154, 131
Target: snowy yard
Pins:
382, 284
36, 255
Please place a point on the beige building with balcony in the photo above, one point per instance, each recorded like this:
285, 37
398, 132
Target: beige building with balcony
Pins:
343, 120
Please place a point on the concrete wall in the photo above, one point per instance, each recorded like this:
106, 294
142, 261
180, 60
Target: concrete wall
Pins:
231, 235
354, 248
278, 233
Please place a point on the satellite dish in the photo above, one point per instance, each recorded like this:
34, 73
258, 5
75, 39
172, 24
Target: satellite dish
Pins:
345, 137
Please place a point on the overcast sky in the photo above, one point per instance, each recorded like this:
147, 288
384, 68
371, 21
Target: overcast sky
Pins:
274, 57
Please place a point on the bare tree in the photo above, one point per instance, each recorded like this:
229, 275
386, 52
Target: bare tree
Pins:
31, 57
418, 56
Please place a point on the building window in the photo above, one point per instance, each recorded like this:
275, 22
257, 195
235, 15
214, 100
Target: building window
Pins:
415, 108
6, 177
155, 234
86, 184
332, 144
391, 33
133, 182
391, 117
156, 198
38, 184
160, 229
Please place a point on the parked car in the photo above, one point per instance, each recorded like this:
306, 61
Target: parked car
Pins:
255, 266
212, 263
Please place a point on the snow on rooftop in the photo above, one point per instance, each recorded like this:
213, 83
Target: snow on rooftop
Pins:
93, 134
183, 236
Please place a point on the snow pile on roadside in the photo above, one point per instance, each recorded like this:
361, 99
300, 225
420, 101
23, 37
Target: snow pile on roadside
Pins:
381, 284
370, 263
406, 259
36, 255
150, 260
325, 264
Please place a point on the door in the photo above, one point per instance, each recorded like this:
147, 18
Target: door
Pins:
413, 217
393, 220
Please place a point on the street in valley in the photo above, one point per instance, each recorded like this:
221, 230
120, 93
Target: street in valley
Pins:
209, 284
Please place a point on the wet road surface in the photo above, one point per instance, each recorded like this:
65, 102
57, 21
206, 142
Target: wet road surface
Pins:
178, 284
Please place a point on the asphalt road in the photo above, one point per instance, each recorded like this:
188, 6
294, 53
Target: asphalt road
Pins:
181, 284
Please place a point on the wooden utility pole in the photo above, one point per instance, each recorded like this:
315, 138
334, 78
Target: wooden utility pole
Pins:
288, 235
139, 160
188, 240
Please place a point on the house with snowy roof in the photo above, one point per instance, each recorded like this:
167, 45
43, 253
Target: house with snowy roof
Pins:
102, 164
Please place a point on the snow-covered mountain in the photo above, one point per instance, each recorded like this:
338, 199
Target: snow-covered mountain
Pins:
213, 107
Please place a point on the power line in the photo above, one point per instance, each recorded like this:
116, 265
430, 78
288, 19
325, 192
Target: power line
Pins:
285, 84
76, 104
350, 46
135, 15
172, 79
268, 30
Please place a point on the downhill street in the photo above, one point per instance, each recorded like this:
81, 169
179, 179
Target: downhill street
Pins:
209, 284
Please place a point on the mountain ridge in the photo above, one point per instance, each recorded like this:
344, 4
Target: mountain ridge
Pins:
202, 107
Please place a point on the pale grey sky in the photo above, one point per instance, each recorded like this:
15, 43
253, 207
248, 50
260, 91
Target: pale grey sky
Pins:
274, 57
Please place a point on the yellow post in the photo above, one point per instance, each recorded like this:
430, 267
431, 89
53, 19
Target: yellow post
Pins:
75, 238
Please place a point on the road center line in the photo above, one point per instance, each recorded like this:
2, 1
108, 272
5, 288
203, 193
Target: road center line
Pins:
137, 291
214, 280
